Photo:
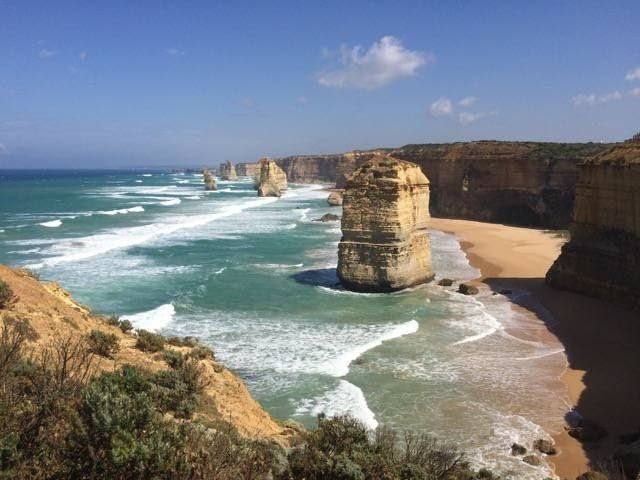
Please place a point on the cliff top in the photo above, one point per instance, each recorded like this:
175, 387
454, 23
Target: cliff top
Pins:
53, 313
382, 168
624, 154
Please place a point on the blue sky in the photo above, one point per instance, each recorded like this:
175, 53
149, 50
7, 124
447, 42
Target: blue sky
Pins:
108, 84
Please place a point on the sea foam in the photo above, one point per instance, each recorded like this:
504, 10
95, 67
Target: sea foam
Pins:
152, 320
52, 223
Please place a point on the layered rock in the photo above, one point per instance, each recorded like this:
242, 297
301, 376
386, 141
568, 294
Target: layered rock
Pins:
227, 171
323, 168
335, 198
209, 180
385, 244
247, 169
602, 259
271, 180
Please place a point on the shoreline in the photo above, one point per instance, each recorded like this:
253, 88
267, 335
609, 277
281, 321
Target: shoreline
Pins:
588, 329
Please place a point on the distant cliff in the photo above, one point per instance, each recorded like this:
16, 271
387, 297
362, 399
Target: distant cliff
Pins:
247, 169
525, 183
602, 259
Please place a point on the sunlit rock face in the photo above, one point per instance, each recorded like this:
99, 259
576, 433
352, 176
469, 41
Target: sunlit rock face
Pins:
247, 169
209, 180
227, 171
385, 244
602, 259
271, 180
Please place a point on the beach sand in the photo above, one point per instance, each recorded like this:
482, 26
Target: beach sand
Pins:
601, 340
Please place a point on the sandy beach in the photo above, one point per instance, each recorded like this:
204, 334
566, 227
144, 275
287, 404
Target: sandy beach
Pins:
600, 339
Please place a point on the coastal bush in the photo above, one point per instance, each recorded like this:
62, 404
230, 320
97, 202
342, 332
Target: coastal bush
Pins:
103, 344
201, 352
173, 358
125, 325
6, 294
149, 342
183, 341
178, 388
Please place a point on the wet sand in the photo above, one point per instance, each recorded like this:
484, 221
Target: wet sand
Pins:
600, 339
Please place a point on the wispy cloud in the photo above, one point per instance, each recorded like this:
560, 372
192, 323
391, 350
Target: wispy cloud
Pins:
3, 149
633, 75
384, 62
82, 56
591, 99
441, 107
174, 52
46, 53
635, 92
467, 101
247, 102
467, 118
302, 99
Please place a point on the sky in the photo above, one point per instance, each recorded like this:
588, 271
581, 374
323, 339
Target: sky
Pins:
120, 83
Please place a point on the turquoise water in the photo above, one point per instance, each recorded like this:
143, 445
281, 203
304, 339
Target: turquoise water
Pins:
255, 279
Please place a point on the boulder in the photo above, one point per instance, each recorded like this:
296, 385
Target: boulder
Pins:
335, 199
517, 449
445, 282
209, 180
467, 289
328, 217
545, 446
271, 180
532, 460
385, 243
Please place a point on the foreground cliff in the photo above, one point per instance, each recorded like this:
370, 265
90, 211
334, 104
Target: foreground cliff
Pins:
602, 259
385, 244
523, 183
271, 181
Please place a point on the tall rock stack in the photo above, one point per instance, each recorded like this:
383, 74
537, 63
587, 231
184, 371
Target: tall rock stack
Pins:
385, 244
227, 171
271, 180
602, 259
209, 180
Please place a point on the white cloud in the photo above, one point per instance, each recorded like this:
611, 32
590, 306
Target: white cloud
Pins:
302, 99
441, 107
386, 61
46, 53
591, 99
82, 56
3, 149
247, 102
635, 92
467, 101
174, 52
633, 75
467, 118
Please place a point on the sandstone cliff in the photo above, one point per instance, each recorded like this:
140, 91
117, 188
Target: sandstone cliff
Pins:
524, 183
209, 180
602, 259
385, 244
52, 313
271, 180
227, 171
247, 169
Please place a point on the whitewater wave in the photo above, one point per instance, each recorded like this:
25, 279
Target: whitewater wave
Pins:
121, 211
339, 367
152, 320
76, 249
194, 197
52, 223
345, 399
173, 201
147, 175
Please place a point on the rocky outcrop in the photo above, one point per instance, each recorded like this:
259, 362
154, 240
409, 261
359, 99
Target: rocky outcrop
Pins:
523, 183
227, 171
385, 244
247, 169
335, 198
602, 259
271, 180
209, 180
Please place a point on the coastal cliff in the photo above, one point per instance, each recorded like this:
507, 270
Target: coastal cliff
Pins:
523, 183
271, 180
602, 259
247, 169
385, 244
209, 180
227, 171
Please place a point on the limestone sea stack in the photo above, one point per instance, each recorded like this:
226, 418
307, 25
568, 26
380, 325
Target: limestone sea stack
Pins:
227, 171
385, 244
209, 180
271, 180
247, 169
335, 198
602, 259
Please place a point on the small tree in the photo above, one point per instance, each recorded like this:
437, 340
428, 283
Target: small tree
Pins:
6, 294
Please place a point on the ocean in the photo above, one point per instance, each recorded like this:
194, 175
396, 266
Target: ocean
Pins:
255, 279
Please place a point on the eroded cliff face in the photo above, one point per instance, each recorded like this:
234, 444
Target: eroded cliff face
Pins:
323, 168
209, 180
227, 171
602, 259
248, 169
385, 244
271, 180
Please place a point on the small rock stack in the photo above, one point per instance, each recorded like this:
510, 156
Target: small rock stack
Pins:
271, 179
227, 171
209, 180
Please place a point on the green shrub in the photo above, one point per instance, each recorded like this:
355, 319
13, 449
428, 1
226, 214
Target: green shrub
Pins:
103, 344
125, 325
201, 352
183, 341
173, 358
179, 387
6, 294
149, 342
